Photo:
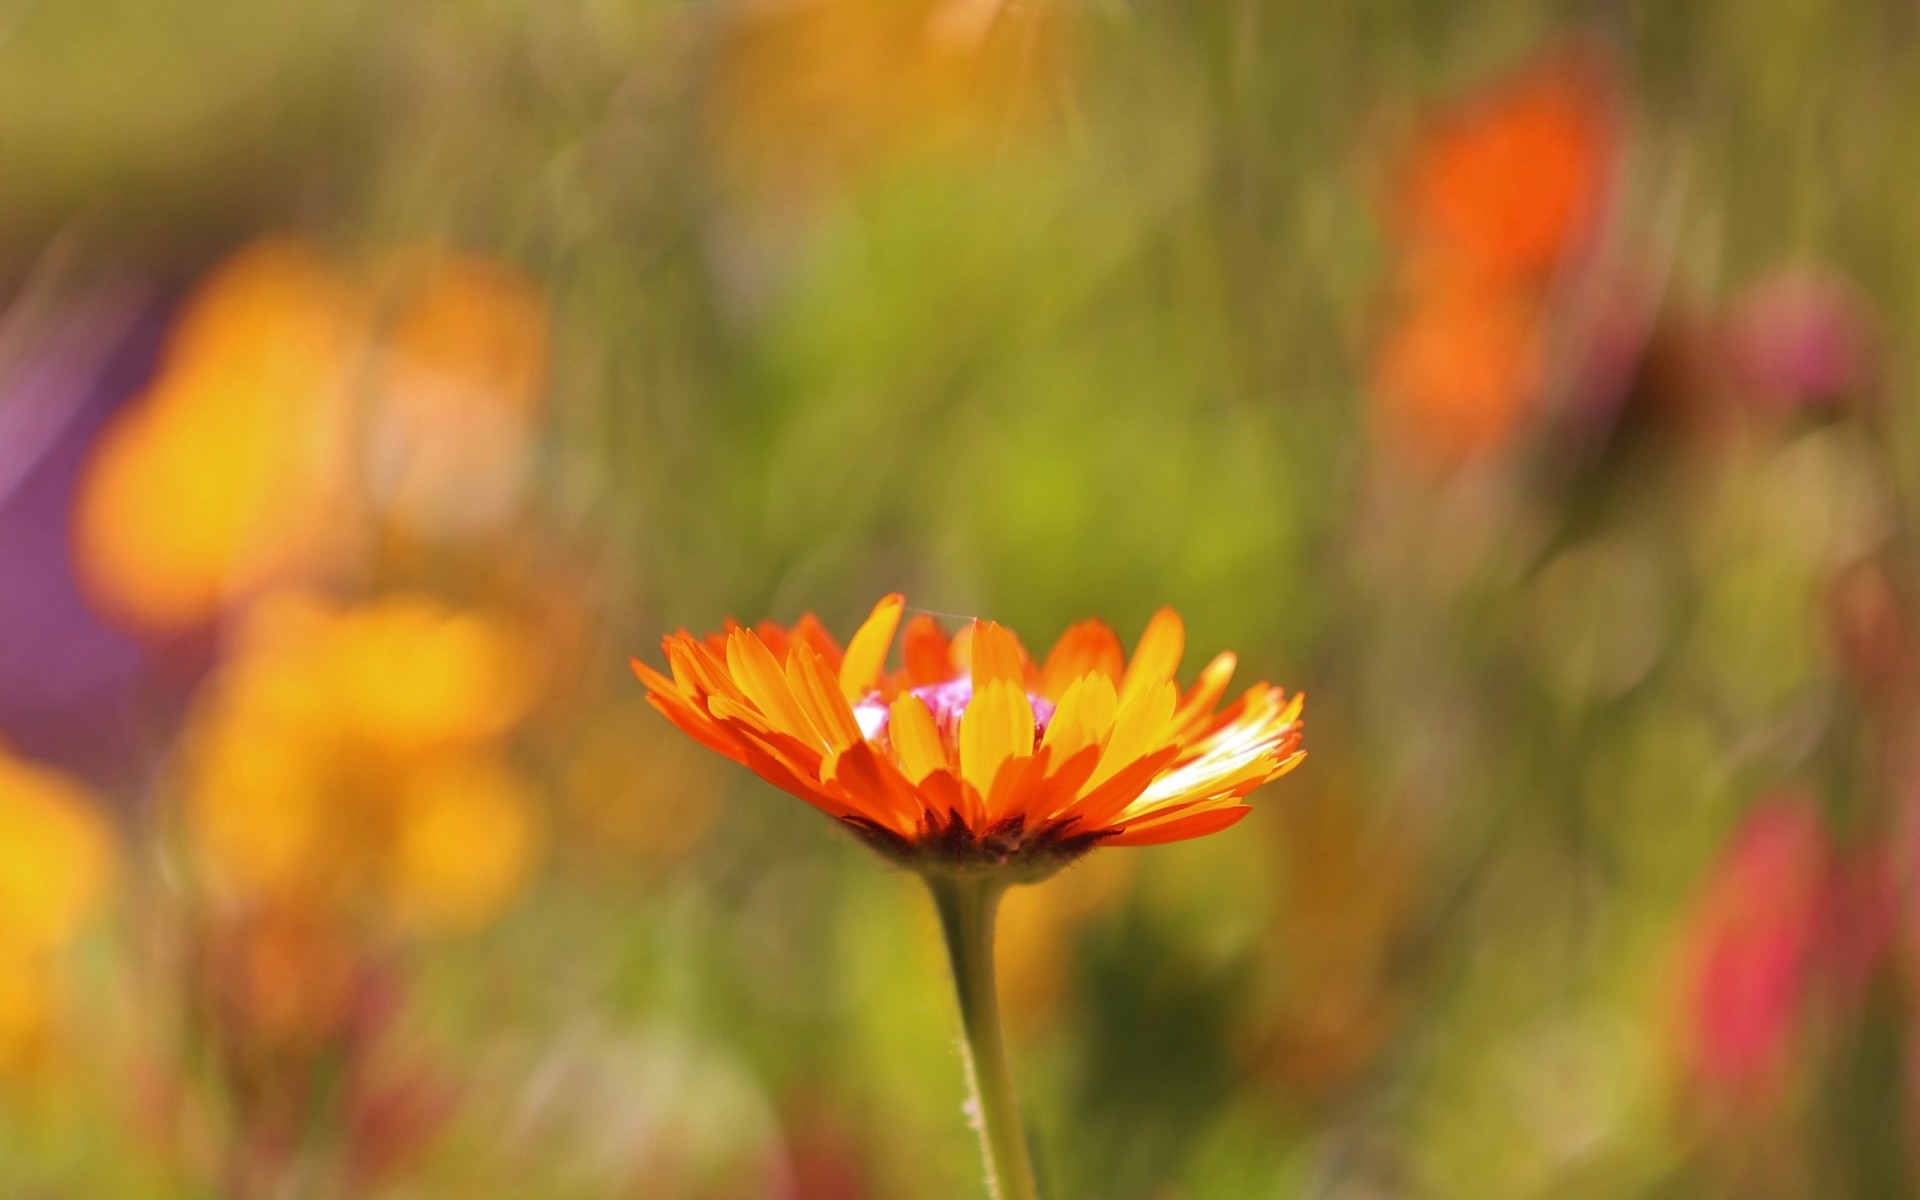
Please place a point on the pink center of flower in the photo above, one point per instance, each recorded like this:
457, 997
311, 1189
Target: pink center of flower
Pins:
946, 701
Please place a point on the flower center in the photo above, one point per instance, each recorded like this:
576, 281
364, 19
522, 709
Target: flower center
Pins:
946, 701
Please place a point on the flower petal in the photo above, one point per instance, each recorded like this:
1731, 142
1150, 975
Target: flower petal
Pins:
1179, 829
996, 726
916, 739
1139, 729
819, 697
1086, 647
876, 786
1157, 656
928, 654
867, 649
1083, 717
997, 657
757, 673
1207, 690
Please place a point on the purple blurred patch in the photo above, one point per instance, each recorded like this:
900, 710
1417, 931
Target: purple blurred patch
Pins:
73, 690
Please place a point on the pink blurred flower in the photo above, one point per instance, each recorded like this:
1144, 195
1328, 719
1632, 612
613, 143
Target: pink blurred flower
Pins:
1801, 337
1750, 949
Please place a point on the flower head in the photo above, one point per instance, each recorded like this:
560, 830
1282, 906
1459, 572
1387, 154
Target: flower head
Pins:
972, 755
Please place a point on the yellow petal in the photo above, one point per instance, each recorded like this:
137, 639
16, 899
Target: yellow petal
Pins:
1207, 691
996, 657
916, 740
997, 726
1157, 656
757, 674
1084, 716
867, 649
1139, 729
820, 698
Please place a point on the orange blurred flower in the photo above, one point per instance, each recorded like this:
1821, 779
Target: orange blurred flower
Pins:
56, 865
1509, 181
1455, 376
354, 758
225, 473
973, 755
815, 88
1500, 193
285, 419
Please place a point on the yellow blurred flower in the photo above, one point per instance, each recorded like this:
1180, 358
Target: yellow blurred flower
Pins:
355, 758
56, 856
285, 419
56, 865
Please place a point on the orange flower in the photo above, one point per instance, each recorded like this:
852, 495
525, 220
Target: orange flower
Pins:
1456, 375
971, 754
1500, 195
1514, 178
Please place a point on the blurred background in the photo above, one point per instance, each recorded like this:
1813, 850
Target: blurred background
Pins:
1523, 381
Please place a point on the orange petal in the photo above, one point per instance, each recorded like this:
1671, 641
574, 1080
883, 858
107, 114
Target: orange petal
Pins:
780, 759
960, 651
699, 670
1157, 656
925, 651
1055, 794
654, 680
1086, 647
696, 725
875, 786
1179, 829
1106, 800
1015, 787
867, 649
810, 631
946, 795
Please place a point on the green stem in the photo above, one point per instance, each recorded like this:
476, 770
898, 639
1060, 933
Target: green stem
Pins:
967, 904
